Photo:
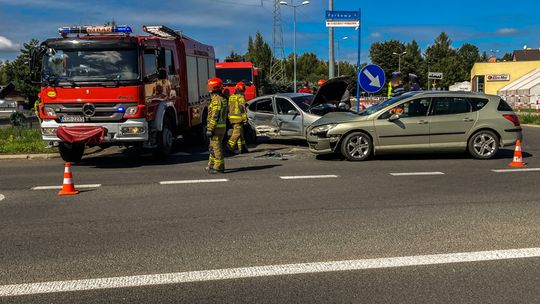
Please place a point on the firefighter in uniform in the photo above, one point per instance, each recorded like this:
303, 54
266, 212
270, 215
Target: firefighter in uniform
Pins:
238, 118
216, 128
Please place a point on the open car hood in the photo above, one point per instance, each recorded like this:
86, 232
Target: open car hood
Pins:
330, 94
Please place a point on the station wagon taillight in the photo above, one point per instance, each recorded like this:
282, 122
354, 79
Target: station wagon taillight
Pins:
512, 118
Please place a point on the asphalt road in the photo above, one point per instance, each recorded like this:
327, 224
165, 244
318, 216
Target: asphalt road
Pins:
135, 224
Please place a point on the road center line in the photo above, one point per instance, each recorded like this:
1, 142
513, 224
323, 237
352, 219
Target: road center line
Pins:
416, 173
194, 181
60, 187
263, 271
516, 170
308, 176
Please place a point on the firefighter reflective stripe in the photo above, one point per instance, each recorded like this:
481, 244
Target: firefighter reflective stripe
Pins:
217, 112
389, 89
237, 108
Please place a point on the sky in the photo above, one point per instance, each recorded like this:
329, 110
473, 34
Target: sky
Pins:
226, 24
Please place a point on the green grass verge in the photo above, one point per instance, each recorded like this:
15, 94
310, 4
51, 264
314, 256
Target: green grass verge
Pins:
531, 119
25, 140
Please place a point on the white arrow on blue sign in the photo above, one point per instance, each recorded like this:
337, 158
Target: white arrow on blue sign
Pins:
372, 78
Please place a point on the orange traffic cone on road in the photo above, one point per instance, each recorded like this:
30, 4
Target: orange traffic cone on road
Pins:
68, 188
518, 158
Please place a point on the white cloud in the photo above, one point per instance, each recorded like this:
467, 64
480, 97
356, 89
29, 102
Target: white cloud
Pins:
507, 31
376, 35
7, 46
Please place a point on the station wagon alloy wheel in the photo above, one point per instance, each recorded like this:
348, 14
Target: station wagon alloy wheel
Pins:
484, 145
356, 146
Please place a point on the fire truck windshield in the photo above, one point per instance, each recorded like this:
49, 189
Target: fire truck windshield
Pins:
91, 66
231, 76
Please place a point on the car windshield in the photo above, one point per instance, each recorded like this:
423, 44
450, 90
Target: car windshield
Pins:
91, 65
384, 104
233, 76
303, 101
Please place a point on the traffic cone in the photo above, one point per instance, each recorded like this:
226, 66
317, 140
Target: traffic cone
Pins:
68, 188
518, 158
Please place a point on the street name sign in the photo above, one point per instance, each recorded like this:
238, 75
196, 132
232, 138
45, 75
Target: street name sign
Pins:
435, 75
342, 19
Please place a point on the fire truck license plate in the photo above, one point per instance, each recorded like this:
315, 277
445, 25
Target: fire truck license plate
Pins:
72, 119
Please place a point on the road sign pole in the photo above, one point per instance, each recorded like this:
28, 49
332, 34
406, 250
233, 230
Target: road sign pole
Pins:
358, 61
330, 44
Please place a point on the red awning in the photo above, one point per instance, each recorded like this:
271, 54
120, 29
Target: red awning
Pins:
81, 134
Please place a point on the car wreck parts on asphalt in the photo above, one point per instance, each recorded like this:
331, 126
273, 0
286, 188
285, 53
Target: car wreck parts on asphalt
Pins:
419, 122
102, 86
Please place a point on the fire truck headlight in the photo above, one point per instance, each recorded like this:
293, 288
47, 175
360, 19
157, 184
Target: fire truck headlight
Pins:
133, 130
48, 131
131, 110
49, 111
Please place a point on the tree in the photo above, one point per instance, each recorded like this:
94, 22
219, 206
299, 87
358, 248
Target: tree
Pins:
412, 62
259, 52
233, 56
382, 54
468, 54
18, 72
507, 57
484, 57
443, 58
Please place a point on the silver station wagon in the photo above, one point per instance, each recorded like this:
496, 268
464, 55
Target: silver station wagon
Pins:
419, 122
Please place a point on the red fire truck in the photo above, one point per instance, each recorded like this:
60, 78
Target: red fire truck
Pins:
233, 72
100, 85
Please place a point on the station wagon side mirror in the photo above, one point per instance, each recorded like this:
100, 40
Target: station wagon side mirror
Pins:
292, 112
394, 117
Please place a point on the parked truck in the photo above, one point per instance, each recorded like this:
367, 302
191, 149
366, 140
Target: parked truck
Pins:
233, 72
101, 85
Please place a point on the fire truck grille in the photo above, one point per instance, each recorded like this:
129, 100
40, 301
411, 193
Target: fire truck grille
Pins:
90, 112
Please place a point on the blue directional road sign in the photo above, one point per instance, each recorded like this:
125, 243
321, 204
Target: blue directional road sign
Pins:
372, 78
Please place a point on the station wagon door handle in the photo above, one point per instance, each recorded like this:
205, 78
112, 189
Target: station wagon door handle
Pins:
422, 122
467, 119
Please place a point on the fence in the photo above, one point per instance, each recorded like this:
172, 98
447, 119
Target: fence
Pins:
519, 102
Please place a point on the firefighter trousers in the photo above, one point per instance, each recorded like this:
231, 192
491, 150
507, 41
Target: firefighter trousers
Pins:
216, 160
237, 137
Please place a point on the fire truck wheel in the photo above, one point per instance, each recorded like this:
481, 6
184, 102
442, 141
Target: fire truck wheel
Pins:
165, 140
71, 152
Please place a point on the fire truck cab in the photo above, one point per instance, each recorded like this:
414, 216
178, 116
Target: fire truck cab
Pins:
233, 72
102, 86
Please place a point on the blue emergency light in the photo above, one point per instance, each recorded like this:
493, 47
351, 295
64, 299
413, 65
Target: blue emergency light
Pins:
120, 110
116, 29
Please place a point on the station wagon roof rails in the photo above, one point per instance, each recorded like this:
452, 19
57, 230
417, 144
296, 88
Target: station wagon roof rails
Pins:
163, 31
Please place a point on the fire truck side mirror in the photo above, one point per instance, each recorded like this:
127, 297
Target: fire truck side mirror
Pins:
36, 54
162, 74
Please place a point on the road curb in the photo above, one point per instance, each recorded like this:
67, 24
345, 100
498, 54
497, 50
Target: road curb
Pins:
532, 126
28, 156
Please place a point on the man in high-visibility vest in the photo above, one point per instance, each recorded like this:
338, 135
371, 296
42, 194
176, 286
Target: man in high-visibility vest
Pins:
238, 118
216, 128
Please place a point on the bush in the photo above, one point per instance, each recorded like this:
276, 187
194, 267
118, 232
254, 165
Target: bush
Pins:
17, 119
531, 119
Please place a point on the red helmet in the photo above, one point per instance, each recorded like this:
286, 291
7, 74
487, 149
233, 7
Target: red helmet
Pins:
240, 86
321, 82
214, 84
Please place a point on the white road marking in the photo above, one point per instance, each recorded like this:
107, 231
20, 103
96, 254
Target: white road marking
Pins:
516, 170
194, 181
263, 271
416, 173
60, 187
2, 197
308, 176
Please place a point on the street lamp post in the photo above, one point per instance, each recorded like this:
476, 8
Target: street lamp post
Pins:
294, 35
399, 59
337, 57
